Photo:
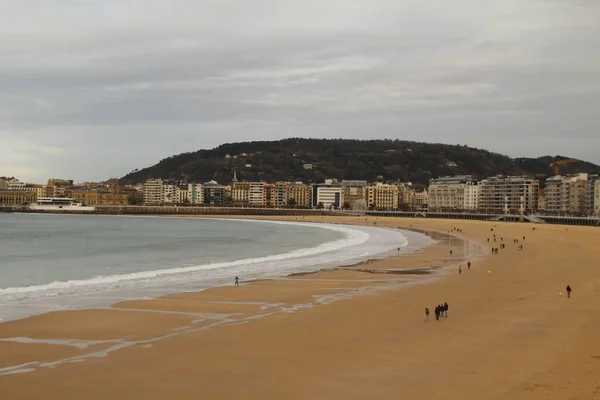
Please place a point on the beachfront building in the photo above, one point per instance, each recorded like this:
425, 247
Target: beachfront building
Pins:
591, 187
240, 193
281, 194
382, 196
300, 195
107, 195
154, 191
213, 193
542, 200
256, 194
420, 199
13, 183
171, 193
453, 193
195, 193
17, 197
508, 194
597, 197
328, 196
567, 194
268, 195
354, 193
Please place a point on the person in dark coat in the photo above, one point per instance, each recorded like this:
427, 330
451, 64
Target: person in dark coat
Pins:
437, 313
569, 291
446, 309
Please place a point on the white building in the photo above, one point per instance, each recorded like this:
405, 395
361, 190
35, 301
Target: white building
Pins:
154, 191
171, 194
15, 184
449, 193
329, 195
591, 189
256, 194
597, 197
567, 194
281, 194
195, 194
508, 194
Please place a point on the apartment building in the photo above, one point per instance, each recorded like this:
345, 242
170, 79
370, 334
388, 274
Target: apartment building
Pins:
281, 194
508, 194
591, 187
154, 191
354, 193
101, 195
597, 197
269, 195
382, 196
213, 193
17, 197
14, 184
453, 193
3, 184
301, 193
329, 196
195, 193
420, 199
256, 194
240, 193
567, 194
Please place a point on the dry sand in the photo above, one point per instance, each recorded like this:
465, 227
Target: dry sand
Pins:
344, 334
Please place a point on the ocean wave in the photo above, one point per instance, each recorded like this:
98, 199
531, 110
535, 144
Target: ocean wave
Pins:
345, 249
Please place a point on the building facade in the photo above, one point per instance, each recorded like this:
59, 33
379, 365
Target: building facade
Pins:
591, 200
17, 197
597, 197
301, 195
327, 196
354, 193
256, 194
453, 193
195, 193
213, 194
154, 191
240, 193
281, 194
508, 194
567, 194
383, 197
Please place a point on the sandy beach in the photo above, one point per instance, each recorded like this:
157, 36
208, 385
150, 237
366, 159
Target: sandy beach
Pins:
351, 333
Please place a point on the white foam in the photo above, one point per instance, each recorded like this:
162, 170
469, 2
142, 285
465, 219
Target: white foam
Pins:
352, 238
358, 243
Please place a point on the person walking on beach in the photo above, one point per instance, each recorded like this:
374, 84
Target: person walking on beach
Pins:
437, 313
426, 314
237, 281
469, 265
568, 291
446, 309
460, 270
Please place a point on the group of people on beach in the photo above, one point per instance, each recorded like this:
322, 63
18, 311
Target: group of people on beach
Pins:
441, 310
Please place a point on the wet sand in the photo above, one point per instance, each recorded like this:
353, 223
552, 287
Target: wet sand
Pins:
351, 333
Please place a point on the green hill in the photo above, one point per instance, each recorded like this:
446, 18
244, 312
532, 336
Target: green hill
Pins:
372, 160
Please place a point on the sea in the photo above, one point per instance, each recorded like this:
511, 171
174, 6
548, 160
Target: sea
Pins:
51, 262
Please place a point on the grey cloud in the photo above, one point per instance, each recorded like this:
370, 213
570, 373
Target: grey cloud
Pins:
145, 85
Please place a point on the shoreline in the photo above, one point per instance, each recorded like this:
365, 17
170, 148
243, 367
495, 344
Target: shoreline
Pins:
125, 293
342, 333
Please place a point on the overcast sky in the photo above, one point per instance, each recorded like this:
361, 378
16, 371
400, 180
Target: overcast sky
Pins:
91, 89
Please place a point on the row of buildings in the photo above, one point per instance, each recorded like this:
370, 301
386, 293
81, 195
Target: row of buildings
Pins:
558, 195
14, 192
562, 195
331, 194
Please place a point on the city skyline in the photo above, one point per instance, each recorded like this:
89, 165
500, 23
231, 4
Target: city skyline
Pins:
104, 89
